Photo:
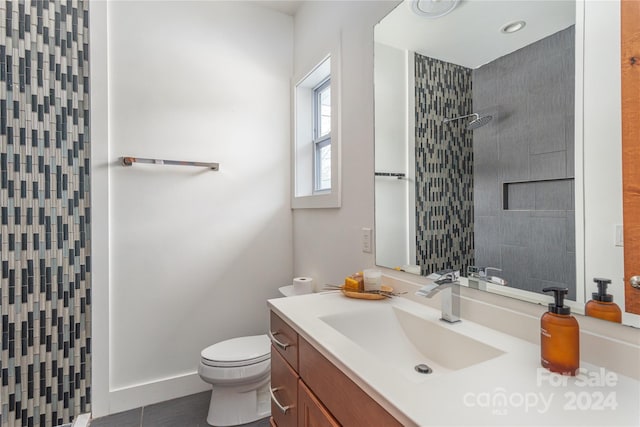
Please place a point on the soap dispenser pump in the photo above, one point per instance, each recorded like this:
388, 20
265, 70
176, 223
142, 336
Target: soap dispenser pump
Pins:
602, 305
559, 336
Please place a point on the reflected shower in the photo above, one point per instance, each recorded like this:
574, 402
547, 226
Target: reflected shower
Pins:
476, 123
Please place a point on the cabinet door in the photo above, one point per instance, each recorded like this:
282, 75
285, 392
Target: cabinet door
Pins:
311, 413
348, 403
284, 392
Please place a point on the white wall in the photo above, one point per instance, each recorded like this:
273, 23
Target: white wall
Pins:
391, 155
327, 242
194, 254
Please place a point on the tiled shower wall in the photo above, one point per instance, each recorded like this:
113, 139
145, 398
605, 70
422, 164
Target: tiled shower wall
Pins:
44, 194
444, 166
524, 165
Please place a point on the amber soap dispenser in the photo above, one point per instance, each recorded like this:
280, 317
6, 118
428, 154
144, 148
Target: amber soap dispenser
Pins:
559, 336
602, 305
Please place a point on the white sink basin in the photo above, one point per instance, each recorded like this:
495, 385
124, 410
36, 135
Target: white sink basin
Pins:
402, 340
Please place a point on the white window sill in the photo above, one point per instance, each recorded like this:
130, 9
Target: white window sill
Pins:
317, 201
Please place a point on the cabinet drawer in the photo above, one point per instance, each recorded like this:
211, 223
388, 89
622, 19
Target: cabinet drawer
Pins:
344, 399
284, 392
285, 340
311, 413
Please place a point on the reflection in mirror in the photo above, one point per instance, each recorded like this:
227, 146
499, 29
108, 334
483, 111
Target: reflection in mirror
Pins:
475, 144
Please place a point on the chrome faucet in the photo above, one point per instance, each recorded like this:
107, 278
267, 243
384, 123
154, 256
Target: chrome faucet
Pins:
449, 300
476, 274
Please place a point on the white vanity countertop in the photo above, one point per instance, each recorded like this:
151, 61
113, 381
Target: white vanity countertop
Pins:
511, 389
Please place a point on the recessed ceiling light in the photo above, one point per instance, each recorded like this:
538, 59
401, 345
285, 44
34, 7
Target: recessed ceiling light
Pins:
512, 27
432, 9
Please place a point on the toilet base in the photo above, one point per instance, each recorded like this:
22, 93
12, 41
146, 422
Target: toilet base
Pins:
232, 406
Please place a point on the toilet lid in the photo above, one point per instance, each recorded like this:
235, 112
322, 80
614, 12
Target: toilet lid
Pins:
238, 351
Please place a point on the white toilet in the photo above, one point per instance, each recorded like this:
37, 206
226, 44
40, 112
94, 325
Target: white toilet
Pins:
239, 371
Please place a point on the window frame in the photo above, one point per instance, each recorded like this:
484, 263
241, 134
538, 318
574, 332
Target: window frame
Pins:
319, 141
303, 194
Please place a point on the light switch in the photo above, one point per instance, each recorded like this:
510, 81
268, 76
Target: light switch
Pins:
619, 236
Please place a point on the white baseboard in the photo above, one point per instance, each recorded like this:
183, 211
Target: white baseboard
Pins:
135, 396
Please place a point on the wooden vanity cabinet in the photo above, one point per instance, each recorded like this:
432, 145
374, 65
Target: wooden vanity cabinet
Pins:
312, 413
325, 396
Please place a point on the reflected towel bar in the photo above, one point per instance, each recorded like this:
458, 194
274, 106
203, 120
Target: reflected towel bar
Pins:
392, 174
129, 161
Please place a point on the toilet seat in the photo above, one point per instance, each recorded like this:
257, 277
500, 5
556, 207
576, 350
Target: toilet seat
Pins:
237, 352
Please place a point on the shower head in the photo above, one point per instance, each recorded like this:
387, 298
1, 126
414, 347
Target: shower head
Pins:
476, 123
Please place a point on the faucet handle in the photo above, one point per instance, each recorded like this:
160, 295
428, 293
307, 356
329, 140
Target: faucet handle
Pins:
474, 271
446, 276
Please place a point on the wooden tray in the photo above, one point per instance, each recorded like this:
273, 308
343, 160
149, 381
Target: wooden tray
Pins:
365, 295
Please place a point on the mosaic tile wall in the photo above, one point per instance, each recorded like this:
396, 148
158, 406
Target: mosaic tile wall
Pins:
45, 216
444, 166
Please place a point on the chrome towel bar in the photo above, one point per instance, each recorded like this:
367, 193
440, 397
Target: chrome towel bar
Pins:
129, 161
391, 174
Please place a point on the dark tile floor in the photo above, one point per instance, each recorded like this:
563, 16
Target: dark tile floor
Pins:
188, 411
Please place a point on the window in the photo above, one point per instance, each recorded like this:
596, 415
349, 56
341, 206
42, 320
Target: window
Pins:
316, 160
322, 136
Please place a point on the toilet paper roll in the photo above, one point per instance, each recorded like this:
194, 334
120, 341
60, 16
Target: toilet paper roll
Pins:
302, 285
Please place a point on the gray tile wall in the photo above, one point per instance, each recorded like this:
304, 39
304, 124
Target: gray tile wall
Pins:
529, 147
444, 166
45, 219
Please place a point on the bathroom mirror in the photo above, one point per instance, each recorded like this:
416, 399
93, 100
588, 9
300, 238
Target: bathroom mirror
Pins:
478, 163
478, 145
